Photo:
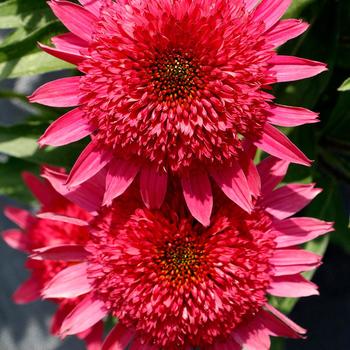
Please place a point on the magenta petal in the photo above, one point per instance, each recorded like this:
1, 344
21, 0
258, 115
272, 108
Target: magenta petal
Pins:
293, 286
68, 283
62, 218
118, 338
61, 313
64, 252
90, 162
68, 56
291, 116
272, 141
78, 20
285, 30
58, 93
70, 43
289, 199
288, 68
253, 178
93, 336
233, 183
21, 217
71, 127
272, 171
270, 11
16, 239
153, 186
121, 173
198, 196
93, 6
299, 230
250, 4
27, 292
86, 314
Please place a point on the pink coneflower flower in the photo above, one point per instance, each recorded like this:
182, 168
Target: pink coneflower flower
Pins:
36, 232
172, 87
175, 284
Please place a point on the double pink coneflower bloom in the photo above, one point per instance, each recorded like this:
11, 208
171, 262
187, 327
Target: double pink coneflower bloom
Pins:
174, 95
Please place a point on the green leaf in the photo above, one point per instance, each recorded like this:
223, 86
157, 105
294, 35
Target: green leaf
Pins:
345, 86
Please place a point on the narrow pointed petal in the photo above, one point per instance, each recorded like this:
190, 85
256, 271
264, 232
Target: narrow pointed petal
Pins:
253, 178
90, 162
121, 173
93, 6
70, 43
16, 239
69, 128
291, 116
86, 314
58, 93
68, 283
27, 292
272, 171
293, 286
289, 199
198, 196
285, 30
68, 56
118, 338
62, 218
64, 252
288, 68
78, 20
270, 11
250, 4
233, 183
153, 186
277, 144
299, 230
21, 217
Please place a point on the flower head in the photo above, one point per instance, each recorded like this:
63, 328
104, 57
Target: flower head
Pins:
174, 284
173, 87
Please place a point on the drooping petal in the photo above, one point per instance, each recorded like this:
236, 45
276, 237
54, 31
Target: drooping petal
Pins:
90, 162
289, 68
121, 173
285, 30
64, 252
293, 286
93, 336
251, 172
16, 239
70, 43
61, 313
58, 93
27, 292
118, 338
78, 20
153, 186
62, 218
21, 217
69, 128
289, 199
87, 313
233, 183
272, 141
93, 6
68, 56
291, 116
68, 283
198, 196
299, 230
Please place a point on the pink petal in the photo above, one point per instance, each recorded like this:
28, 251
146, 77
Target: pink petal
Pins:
78, 20
289, 68
90, 162
198, 196
86, 314
61, 313
58, 93
293, 286
27, 292
272, 171
64, 252
153, 186
250, 4
68, 56
62, 218
270, 11
70, 43
291, 116
233, 183
21, 217
118, 338
295, 231
92, 5
69, 128
253, 178
68, 283
121, 173
93, 337
15, 239
87, 195
277, 144
289, 199
285, 30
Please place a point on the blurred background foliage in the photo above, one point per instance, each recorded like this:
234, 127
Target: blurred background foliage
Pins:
328, 142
